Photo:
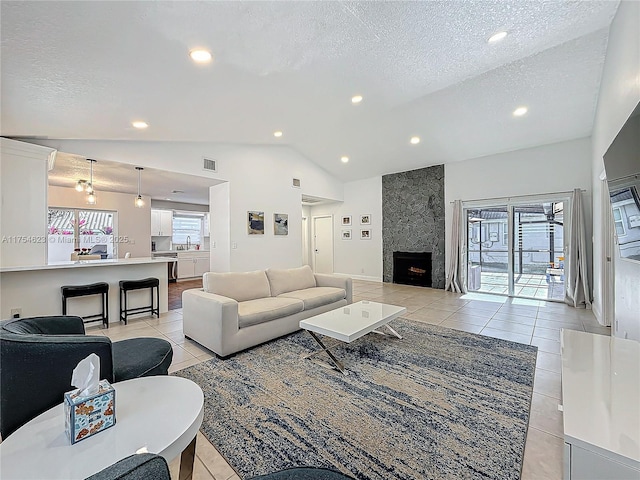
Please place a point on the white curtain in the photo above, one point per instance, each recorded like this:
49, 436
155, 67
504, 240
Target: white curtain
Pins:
577, 282
455, 280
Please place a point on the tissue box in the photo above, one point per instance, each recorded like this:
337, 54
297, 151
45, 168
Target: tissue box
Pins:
88, 415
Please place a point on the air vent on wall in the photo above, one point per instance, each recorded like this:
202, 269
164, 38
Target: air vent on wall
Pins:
296, 183
209, 165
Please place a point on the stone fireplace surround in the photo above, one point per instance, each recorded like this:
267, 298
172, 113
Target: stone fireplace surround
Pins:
413, 218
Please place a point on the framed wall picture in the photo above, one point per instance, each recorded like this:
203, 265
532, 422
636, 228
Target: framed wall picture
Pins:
255, 223
346, 234
281, 224
365, 234
365, 219
346, 221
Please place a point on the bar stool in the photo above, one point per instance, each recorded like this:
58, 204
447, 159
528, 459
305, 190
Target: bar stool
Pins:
100, 288
128, 285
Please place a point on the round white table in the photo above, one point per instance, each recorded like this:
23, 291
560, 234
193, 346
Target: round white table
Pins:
162, 414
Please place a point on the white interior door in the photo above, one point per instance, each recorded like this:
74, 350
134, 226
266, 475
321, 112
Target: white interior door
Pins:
323, 244
305, 242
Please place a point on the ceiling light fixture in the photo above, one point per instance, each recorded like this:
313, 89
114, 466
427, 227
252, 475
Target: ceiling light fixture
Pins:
91, 197
277, 134
80, 185
140, 125
520, 111
344, 159
496, 37
356, 99
414, 140
139, 202
200, 56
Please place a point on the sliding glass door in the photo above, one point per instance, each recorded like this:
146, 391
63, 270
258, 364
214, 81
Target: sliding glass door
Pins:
517, 248
487, 250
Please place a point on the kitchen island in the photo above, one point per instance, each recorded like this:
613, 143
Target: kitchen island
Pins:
35, 289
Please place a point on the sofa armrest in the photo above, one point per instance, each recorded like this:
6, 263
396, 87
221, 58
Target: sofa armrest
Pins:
46, 325
209, 319
336, 281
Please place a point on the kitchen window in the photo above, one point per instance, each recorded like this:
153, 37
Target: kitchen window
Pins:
69, 229
187, 225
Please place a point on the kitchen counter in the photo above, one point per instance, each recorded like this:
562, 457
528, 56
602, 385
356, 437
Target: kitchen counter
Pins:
85, 264
180, 251
35, 289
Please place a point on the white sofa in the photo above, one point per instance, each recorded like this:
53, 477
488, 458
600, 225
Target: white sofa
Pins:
235, 311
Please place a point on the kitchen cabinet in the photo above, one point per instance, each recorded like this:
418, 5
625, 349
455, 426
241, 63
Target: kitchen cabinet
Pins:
161, 223
192, 264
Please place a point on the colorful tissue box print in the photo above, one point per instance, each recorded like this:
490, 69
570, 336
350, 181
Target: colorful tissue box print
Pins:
86, 416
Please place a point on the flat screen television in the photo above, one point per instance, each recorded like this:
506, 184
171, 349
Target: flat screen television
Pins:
622, 166
625, 204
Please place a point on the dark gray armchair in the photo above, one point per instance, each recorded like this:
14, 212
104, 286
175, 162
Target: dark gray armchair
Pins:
150, 466
145, 466
38, 355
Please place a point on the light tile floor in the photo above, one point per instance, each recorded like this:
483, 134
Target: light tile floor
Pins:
532, 322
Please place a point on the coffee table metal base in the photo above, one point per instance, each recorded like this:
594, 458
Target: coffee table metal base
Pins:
337, 363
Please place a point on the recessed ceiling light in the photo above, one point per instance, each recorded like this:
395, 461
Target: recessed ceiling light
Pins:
520, 111
200, 56
414, 140
356, 99
344, 159
167, 199
277, 134
496, 37
139, 124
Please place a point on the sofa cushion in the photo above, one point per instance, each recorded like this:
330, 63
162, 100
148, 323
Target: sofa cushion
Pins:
290, 279
241, 286
316, 296
253, 312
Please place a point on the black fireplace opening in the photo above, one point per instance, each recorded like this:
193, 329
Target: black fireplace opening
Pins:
412, 268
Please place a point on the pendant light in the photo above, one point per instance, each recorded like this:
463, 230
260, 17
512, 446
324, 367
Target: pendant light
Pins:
91, 197
139, 202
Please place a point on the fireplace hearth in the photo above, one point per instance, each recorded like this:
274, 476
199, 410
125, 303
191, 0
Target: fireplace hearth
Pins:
412, 268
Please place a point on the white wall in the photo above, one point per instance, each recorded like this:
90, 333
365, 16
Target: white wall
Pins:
133, 223
619, 95
259, 178
559, 167
357, 258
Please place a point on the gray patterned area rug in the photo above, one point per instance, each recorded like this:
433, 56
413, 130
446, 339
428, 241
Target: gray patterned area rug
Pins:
438, 404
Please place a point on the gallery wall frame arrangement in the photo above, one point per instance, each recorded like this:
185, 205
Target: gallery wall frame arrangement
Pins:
255, 222
281, 224
346, 234
365, 234
365, 219
346, 220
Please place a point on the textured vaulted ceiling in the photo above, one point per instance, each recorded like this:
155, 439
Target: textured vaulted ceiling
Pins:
87, 69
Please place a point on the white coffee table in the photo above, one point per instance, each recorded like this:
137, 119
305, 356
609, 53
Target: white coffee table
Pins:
349, 323
160, 414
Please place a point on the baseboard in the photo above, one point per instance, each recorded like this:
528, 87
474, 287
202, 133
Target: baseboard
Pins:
360, 277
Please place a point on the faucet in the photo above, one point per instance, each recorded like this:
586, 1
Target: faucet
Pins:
188, 242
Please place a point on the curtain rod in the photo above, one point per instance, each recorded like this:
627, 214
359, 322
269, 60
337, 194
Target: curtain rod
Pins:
521, 196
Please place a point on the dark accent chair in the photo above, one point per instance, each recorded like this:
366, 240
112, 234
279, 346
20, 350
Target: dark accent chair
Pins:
304, 473
144, 466
151, 466
38, 355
